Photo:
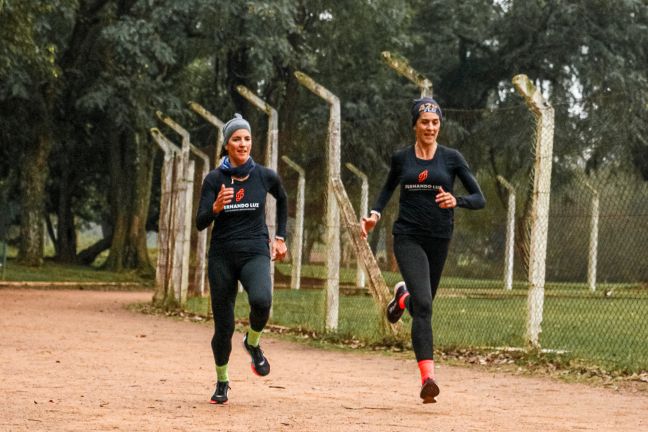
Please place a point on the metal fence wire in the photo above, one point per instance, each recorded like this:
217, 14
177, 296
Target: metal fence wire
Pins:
594, 303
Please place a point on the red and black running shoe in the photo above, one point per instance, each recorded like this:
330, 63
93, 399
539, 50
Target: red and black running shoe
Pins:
429, 391
394, 311
220, 394
260, 364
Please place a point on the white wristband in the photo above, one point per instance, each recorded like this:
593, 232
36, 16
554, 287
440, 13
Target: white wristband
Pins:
374, 212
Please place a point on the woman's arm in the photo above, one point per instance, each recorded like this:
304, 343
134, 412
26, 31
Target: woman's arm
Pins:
277, 190
388, 188
475, 199
205, 214
278, 244
367, 223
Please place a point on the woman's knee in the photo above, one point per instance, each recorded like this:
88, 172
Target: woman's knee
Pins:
421, 307
261, 304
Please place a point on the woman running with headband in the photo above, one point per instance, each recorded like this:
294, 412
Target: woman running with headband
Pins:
425, 172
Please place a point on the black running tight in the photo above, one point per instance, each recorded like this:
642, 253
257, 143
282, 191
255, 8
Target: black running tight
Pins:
421, 262
224, 272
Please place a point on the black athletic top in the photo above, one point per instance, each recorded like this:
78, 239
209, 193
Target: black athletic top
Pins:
240, 226
420, 180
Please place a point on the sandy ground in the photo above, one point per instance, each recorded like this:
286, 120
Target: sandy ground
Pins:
80, 361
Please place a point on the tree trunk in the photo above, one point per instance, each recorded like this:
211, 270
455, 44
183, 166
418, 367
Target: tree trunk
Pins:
32, 199
119, 200
66, 237
131, 173
142, 197
50, 231
88, 255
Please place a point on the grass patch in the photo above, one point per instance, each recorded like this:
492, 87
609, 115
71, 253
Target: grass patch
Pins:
589, 328
516, 361
483, 286
54, 272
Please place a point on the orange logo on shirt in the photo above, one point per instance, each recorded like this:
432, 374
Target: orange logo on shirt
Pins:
240, 194
422, 176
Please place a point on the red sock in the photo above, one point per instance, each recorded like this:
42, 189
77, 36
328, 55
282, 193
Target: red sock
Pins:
401, 301
427, 369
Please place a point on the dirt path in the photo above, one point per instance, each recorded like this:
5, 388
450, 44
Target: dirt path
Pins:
79, 361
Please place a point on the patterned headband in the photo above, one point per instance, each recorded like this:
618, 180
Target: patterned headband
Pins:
430, 107
425, 104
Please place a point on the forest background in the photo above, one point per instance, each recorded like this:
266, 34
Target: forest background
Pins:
80, 82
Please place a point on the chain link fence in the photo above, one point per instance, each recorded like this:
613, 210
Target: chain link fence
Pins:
596, 291
595, 296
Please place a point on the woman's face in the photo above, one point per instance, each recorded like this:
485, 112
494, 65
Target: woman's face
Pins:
239, 146
427, 128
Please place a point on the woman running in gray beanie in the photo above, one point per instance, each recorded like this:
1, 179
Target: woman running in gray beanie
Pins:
426, 173
233, 199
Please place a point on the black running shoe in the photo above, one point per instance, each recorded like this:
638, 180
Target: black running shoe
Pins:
394, 311
260, 365
220, 394
429, 391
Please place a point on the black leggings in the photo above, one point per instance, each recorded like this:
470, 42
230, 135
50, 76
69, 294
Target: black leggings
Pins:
421, 262
224, 271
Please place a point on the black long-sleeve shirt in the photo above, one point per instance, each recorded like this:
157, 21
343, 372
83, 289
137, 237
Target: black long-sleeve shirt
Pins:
241, 225
420, 180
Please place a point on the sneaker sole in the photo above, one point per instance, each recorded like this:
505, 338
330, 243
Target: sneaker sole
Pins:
213, 402
398, 316
392, 304
429, 392
254, 371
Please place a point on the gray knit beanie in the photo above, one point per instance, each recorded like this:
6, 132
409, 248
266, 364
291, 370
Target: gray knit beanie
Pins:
238, 122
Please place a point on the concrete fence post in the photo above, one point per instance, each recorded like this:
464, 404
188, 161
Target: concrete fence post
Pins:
539, 220
510, 234
377, 286
165, 225
332, 210
214, 121
402, 67
298, 236
364, 209
184, 222
272, 152
218, 124
593, 242
338, 202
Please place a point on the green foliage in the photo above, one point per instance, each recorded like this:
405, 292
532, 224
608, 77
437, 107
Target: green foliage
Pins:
100, 69
580, 53
28, 55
